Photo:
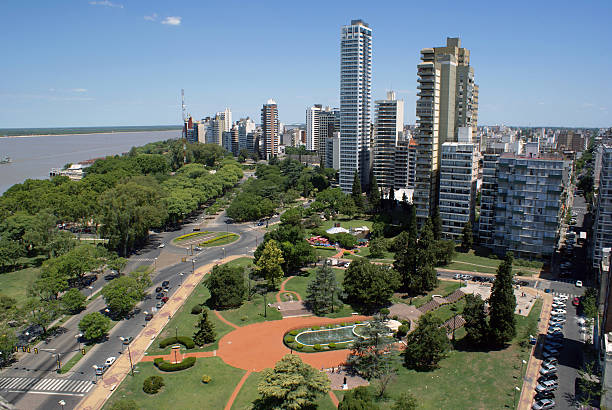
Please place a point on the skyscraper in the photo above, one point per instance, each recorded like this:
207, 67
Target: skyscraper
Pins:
269, 129
388, 126
448, 100
355, 97
321, 124
313, 118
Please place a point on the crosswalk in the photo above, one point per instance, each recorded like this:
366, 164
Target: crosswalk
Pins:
45, 385
142, 260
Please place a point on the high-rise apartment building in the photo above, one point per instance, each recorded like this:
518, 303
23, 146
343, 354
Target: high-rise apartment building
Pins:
602, 228
269, 129
488, 197
355, 97
226, 117
245, 127
388, 128
458, 175
313, 127
448, 100
527, 204
405, 163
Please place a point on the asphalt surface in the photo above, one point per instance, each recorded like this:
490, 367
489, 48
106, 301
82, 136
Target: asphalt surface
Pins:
21, 385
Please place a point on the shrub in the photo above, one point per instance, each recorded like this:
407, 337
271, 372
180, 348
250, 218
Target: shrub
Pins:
395, 317
294, 333
244, 318
299, 346
317, 347
402, 331
332, 345
315, 327
165, 366
153, 384
290, 339
206, 379
184, 340
196, 310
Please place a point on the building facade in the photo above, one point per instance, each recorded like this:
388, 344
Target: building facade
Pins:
457, 199
602, 228
269, 129
355, 99
388, 128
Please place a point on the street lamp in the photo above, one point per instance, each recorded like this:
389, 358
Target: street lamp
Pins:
223, 253
123, 340
145, 313
515, 390
154, 263
193, 261
181, 274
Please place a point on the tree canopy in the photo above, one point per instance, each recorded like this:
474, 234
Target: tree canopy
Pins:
502, 304
368, 285
227, 286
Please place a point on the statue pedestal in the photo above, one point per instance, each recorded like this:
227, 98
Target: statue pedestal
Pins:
175, 355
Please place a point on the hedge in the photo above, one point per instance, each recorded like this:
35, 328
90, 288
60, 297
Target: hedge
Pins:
165, 366
206, 242
153, 384
184, 340
294, 333
196, 310
190, 235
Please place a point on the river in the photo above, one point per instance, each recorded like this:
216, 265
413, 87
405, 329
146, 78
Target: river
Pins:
33, 157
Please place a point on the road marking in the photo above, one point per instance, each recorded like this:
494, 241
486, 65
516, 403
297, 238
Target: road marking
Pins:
43, 386
45, 392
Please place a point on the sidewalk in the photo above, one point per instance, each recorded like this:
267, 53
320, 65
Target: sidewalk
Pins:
531, 373
120, 369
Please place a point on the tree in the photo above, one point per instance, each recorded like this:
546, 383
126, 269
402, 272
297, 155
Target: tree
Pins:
292, 384
588, 303
475, 316
269, 263
427, 344
117, 263
227, 286
345, 240
374, 193
323, 292
436, 224
405, 401
370, 356
122, 294
502, 304
406, 256
205, 332
369, 285
466, 239
426, 275
356, 192
41, 312
73, 301
378, 247
358, 399
445, 252
94, 326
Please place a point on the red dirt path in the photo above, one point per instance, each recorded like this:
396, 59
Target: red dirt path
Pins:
224, 320
230, 402
282, 290
260, 345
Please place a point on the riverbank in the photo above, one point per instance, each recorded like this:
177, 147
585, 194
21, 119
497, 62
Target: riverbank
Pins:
84, 131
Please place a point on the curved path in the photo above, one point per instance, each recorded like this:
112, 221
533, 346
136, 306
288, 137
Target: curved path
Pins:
224, 320
282, 290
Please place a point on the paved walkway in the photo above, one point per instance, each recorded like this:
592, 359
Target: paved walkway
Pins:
168, 356
230, 402
119, 370
224, 320
282, 290
533, 366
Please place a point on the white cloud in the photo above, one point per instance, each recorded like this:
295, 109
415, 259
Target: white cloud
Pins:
105, 3
152, 17
172, 21
79, 90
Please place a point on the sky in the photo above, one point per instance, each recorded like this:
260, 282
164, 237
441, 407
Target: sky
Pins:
123, 62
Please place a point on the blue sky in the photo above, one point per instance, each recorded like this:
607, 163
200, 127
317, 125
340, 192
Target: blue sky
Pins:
124, 62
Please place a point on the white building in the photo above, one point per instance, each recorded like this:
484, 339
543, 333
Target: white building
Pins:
332, 152
355, 98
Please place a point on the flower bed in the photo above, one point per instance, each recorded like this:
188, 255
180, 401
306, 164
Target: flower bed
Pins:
190, 235
227, 237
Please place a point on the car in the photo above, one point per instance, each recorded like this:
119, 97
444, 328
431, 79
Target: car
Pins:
543, 404
558, 305
110, 361
550, 361
197, 248
548, 385
552, 370
159, 295
554, 330
457, 276
100, 369
166, 290
559, 312
548, 348
158, 289
165, 299
556, 322
148, 316
576, 301
560, 297
550, 353
549, 376
161, 245
127, 340
578, 283
545, 395
260, 223
159, 304
554, 344
166, 283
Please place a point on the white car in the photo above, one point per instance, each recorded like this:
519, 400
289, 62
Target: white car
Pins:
559, 312
110, 361
578, 283
560, 298
161, 245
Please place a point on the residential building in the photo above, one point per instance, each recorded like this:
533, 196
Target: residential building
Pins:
313, 128
528, 204
405, 163
488, 197
355, 98
602, 227
447, 101
226, 117
246, 126
458, 175
388, 127
332, 152
269, 129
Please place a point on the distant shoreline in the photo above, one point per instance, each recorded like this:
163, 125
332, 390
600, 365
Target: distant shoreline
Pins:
86, 133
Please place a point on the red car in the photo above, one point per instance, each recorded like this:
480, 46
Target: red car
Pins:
164, 299
576, 301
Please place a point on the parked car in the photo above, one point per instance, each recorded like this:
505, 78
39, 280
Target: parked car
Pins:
576, 301
158, 289
578, 283
164, 299
544, 395
551, 361
548, 385
543, 404
148, 316
550, 353
548, 366
110, 361
552, 370
197, 249
100, 369
548, 376
559, 311
161, 245
159, 304
165, 283
159, 295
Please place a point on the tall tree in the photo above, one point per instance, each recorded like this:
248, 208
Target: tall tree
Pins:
436, 222
205, 330
323, 292
406, 255
502, 304
291, 384
427, 344
356, 192
466, 239
370, 355
269, 263
227, 286
368, 285
374, 193
475, 317
426, 259
94, 326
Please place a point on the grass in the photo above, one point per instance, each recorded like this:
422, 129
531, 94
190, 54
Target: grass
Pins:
190, 236
467, 267
15, 284
183, 389
467, 379
221, 239
364, 252
253, 311
325, 253
445, 312
346, 223
444, 288
466, 261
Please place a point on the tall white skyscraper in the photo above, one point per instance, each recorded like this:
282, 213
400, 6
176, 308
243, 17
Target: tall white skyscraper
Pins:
355, 98
388, 126
313, 118
226, 117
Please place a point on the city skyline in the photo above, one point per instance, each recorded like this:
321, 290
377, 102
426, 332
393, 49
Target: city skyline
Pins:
116, 63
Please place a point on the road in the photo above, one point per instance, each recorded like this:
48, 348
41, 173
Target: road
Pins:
32, 382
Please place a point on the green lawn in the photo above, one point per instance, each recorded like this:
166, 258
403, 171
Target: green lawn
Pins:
253, 311
346, 223
220, 241
15, 284
463, 266
444, 288
467, 379
445, 312
364, 252
183, 389
470, 259
325, 253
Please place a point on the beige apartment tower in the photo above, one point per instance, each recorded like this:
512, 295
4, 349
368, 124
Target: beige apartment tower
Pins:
447, 100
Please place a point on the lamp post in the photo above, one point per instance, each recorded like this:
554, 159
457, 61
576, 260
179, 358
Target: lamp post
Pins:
90, 290
181, 274
145, 313
223, 253
154, 263
514, 400
193, 261
523, 362
123, 341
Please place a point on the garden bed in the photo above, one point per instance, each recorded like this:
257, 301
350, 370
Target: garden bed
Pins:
337, 331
